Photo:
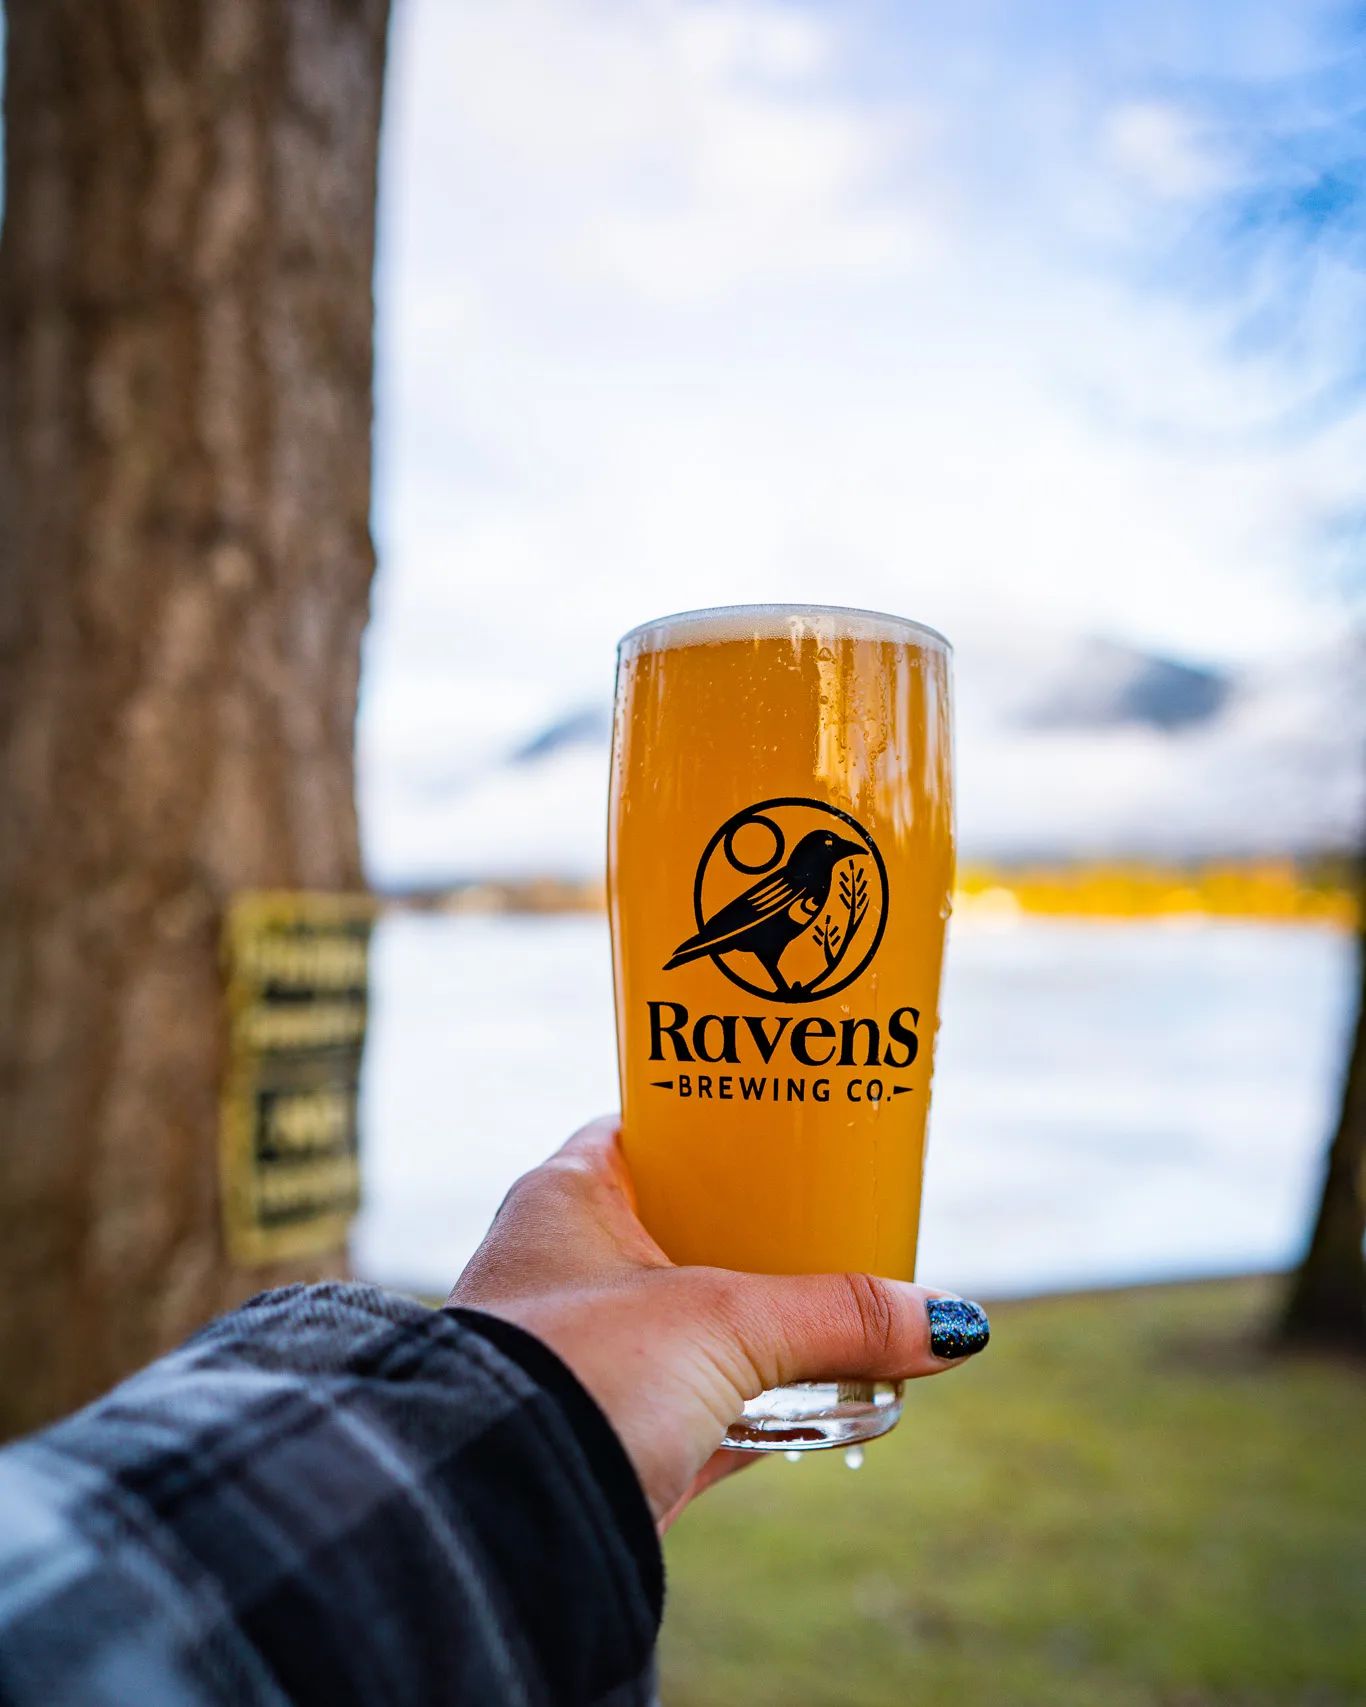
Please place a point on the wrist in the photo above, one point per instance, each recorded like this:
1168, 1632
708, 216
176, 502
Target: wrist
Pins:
618, 1497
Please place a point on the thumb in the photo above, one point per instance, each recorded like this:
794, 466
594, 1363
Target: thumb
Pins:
813, 1327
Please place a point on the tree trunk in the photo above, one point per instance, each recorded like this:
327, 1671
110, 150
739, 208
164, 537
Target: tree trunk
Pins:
185, 405
1326, 1305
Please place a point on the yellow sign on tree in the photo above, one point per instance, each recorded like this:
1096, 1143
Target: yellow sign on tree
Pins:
298, 967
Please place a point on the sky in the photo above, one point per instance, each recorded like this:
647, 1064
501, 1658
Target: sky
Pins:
921, 308
1036, 320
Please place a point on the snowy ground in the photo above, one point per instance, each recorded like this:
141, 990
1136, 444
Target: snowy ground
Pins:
1112, 1102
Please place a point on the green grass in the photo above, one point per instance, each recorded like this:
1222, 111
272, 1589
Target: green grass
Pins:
1121, 1502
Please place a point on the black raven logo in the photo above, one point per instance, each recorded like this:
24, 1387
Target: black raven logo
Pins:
782, 905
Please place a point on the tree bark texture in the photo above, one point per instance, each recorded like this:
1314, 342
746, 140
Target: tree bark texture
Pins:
185, 562
1326, 1305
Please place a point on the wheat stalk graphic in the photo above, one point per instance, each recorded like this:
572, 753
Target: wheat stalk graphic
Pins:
833, 937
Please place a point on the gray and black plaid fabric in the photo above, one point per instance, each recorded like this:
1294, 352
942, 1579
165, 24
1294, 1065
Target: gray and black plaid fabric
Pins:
332, 1495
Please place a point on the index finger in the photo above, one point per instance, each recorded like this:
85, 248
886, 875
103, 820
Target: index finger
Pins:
596, 1144
594, 1155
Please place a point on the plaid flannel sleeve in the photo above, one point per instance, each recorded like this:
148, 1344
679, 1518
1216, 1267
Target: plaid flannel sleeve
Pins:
331, 1495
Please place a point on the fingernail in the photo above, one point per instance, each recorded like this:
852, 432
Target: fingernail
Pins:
957, 1328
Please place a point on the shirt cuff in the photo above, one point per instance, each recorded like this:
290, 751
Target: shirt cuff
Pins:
601, 1445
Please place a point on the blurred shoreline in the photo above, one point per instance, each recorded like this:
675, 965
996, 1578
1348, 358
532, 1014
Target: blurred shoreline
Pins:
1289, 891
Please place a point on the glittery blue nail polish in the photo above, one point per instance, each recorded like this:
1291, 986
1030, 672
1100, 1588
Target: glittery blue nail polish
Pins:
957, 1328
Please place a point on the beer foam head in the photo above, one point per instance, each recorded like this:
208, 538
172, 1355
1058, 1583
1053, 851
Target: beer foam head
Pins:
729, 623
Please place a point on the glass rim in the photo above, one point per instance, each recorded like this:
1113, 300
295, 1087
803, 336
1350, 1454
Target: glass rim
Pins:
715, 615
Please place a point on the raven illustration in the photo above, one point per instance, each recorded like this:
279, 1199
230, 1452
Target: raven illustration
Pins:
770, 913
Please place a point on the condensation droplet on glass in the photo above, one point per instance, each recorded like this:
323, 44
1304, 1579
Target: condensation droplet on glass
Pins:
853, 1457
793, 1457
825, 655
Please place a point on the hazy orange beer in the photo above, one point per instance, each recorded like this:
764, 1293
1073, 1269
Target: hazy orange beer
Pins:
780, 868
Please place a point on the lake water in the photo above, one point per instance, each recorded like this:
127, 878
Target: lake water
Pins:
1113, 1102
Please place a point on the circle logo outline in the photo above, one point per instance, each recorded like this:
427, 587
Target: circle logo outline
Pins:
726, 834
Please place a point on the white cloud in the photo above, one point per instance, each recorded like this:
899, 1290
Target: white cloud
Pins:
1159, 145
677, 150
684, 304
769, 41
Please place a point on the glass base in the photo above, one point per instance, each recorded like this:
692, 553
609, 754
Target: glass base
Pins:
810, 1415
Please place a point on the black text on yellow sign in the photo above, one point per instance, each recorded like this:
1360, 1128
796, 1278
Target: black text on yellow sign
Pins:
297, 984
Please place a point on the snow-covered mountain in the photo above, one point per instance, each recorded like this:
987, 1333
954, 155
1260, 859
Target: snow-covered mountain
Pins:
1067, 748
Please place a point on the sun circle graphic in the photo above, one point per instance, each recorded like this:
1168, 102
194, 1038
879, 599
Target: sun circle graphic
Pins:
753, 820
795, 913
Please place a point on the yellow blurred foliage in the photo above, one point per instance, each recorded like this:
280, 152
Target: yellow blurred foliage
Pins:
1276, 890
1271, 889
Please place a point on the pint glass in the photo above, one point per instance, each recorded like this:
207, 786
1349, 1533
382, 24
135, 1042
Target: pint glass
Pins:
780, 867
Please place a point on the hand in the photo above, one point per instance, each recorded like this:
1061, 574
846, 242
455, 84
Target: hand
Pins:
670, 1354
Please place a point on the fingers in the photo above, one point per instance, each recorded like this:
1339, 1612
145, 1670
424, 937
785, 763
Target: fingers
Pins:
593, 1156
593, 1153
569, 1222
841, 1326
594, 1147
